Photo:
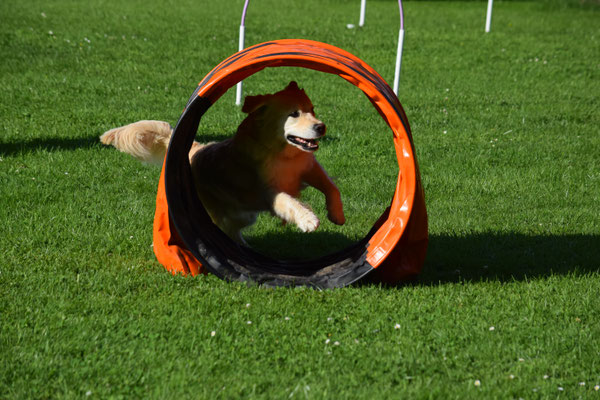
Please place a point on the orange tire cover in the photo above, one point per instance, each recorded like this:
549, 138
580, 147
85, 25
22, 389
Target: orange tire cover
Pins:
397, 247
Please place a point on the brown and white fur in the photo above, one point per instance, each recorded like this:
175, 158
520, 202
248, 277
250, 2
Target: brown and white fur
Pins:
263, 167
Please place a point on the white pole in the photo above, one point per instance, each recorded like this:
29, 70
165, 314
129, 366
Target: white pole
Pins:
488, 18
238, 89
363, 6
398, 61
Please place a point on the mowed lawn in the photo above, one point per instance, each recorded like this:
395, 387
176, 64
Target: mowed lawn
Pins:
507, 134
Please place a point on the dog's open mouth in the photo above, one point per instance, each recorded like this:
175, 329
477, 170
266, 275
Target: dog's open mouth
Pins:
304, 144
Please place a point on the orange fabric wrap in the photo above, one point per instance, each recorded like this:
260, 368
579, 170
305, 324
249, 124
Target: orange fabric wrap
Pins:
168, 246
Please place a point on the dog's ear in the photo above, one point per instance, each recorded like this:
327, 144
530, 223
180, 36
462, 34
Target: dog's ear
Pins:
251, 103
292, 85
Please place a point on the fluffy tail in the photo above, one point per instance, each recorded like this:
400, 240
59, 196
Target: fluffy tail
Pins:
145, 140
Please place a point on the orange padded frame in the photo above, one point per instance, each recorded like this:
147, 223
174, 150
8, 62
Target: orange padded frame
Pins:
397, 249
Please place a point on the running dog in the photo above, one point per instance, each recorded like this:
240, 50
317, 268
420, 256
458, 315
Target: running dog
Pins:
263, 167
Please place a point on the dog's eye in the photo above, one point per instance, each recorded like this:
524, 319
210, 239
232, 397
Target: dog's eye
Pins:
295, 114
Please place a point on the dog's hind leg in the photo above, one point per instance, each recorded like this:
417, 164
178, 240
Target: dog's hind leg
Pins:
291, 210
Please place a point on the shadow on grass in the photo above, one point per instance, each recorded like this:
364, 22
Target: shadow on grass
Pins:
47, 144
472, 258
68, 144
508, 257
298, 245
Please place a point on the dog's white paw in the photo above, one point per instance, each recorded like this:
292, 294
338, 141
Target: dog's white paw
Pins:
307, 222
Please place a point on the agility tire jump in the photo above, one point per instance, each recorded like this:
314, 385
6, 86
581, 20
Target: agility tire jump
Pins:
187, 242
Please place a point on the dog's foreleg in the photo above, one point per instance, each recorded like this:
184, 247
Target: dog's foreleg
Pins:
318, 178
291, 210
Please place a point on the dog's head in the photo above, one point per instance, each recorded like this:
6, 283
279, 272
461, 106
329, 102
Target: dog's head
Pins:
287, 117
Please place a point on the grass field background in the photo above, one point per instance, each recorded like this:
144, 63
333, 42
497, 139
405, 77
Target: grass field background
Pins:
506, 129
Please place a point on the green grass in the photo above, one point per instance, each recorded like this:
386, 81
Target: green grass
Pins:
506, 129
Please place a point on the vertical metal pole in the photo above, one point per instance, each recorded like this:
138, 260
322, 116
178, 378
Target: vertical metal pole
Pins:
399, 51
241, 46
488, 18
363, 6
238, 89
398, 61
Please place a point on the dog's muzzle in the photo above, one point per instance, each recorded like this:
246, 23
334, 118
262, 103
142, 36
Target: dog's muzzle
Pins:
308, 144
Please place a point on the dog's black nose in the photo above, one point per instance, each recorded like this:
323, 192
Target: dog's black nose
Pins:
320, 129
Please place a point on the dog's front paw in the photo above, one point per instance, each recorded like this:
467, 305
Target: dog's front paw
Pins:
335, 210
337, 216
307, 222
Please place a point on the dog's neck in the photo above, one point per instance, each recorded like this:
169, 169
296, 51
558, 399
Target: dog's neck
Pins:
247, 140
